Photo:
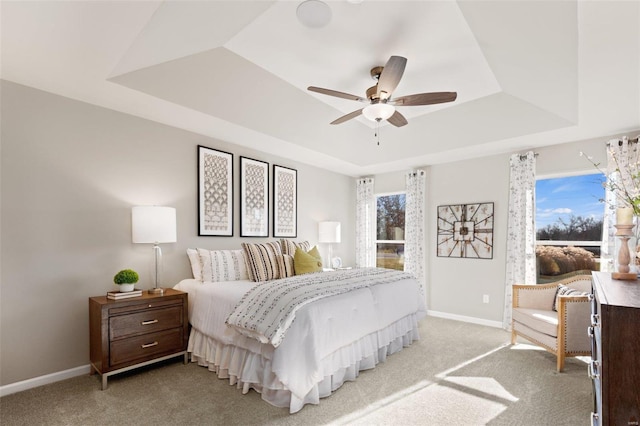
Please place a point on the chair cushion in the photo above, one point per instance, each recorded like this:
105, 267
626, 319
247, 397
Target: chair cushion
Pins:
537, 319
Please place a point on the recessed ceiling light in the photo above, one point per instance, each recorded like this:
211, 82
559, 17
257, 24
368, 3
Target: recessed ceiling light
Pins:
313, 13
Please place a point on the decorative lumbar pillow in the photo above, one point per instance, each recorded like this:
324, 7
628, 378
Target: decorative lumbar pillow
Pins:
285, 266
563, 290
196, 266
305, 263
262, 260
289, 247
223, 265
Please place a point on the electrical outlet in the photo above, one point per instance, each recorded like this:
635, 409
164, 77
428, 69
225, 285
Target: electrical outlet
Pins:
485, 298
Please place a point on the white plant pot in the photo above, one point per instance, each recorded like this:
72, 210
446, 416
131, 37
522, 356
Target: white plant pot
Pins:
126, 287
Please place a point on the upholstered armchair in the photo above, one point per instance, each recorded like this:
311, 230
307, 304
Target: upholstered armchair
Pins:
559, 327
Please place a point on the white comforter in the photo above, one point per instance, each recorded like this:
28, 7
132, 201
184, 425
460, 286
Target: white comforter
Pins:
311, 349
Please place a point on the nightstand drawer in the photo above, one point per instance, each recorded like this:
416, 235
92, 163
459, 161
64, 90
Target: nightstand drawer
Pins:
146, 346
142, 305
148, 321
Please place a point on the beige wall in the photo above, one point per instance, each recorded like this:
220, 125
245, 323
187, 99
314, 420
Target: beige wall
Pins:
455, 286
70, 174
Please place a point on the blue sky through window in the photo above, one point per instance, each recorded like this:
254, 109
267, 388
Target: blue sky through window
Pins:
572, 195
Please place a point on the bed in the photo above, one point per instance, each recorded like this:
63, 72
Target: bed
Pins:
327, 342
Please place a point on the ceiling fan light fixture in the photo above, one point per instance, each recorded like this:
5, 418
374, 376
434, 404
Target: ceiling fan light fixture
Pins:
375, 112
313, 13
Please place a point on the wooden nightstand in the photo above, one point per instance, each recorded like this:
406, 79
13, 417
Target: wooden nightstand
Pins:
130, 333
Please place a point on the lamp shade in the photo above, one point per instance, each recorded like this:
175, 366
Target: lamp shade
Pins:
329, 232
153, 224
378, 111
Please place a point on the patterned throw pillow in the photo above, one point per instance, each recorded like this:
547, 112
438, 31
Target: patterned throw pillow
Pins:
285, 266
289, 247
305, 263
262, 260
196, 265
563, 290
223, 265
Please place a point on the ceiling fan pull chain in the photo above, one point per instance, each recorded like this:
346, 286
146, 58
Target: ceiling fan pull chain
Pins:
377, 133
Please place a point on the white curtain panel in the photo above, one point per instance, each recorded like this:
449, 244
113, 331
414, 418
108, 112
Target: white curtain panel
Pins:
414, 248
521, 229
365, 223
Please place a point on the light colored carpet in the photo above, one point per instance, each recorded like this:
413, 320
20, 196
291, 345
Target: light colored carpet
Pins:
457, 374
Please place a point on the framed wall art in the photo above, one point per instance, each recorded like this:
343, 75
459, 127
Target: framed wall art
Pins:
254, 198
465, 230
285, 202
215, 192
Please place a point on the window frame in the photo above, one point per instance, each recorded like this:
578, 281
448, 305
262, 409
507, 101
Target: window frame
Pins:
570, 243
376, 241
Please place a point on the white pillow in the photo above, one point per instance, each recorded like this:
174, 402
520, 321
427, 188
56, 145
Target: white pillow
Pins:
223, 265
196, 266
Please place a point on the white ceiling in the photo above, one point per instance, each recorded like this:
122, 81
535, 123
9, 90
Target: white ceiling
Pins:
527, 73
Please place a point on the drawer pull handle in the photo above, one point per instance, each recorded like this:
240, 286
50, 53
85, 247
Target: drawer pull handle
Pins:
149, 345
149, 322
593, 370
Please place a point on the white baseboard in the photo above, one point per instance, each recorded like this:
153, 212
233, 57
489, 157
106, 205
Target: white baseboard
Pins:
44, 380
489, 323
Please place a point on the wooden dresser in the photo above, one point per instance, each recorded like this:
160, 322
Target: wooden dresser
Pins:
130, 333
615, 346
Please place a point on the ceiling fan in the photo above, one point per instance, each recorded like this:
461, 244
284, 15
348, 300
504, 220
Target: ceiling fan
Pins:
381, 105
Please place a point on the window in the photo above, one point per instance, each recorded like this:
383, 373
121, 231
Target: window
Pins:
390, 230
569, 218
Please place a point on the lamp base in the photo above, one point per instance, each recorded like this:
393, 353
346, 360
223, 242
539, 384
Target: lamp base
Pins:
156, 291
624, 276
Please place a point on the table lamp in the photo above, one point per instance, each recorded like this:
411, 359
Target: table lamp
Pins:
329, 232
154, 225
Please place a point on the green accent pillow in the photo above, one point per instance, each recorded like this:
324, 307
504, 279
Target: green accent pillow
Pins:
304, 263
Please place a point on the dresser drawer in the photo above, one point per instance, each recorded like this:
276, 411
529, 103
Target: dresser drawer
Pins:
148, 321
147, 346
141, 305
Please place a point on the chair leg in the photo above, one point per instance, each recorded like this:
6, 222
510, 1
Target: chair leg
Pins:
560, 365
513, 335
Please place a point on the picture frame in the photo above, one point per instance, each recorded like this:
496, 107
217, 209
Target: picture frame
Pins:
285, 202
466, 230
215, 192
254, 198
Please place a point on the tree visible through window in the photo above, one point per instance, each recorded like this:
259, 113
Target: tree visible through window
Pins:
390, 218
569, 218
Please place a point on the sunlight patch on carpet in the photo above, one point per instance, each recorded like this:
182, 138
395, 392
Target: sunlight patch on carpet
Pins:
485, 385
435, 404
526, 347
474, 400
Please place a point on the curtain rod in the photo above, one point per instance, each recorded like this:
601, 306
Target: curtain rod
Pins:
621, 141
524, 156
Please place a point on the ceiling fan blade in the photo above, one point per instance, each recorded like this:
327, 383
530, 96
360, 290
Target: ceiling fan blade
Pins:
425, 99
390, 76
397, 119
336, 94
349, 116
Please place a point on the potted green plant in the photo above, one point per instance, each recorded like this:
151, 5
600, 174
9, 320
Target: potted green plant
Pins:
126, 279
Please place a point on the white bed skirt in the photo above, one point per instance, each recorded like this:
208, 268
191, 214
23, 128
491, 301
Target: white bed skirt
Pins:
248, 370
